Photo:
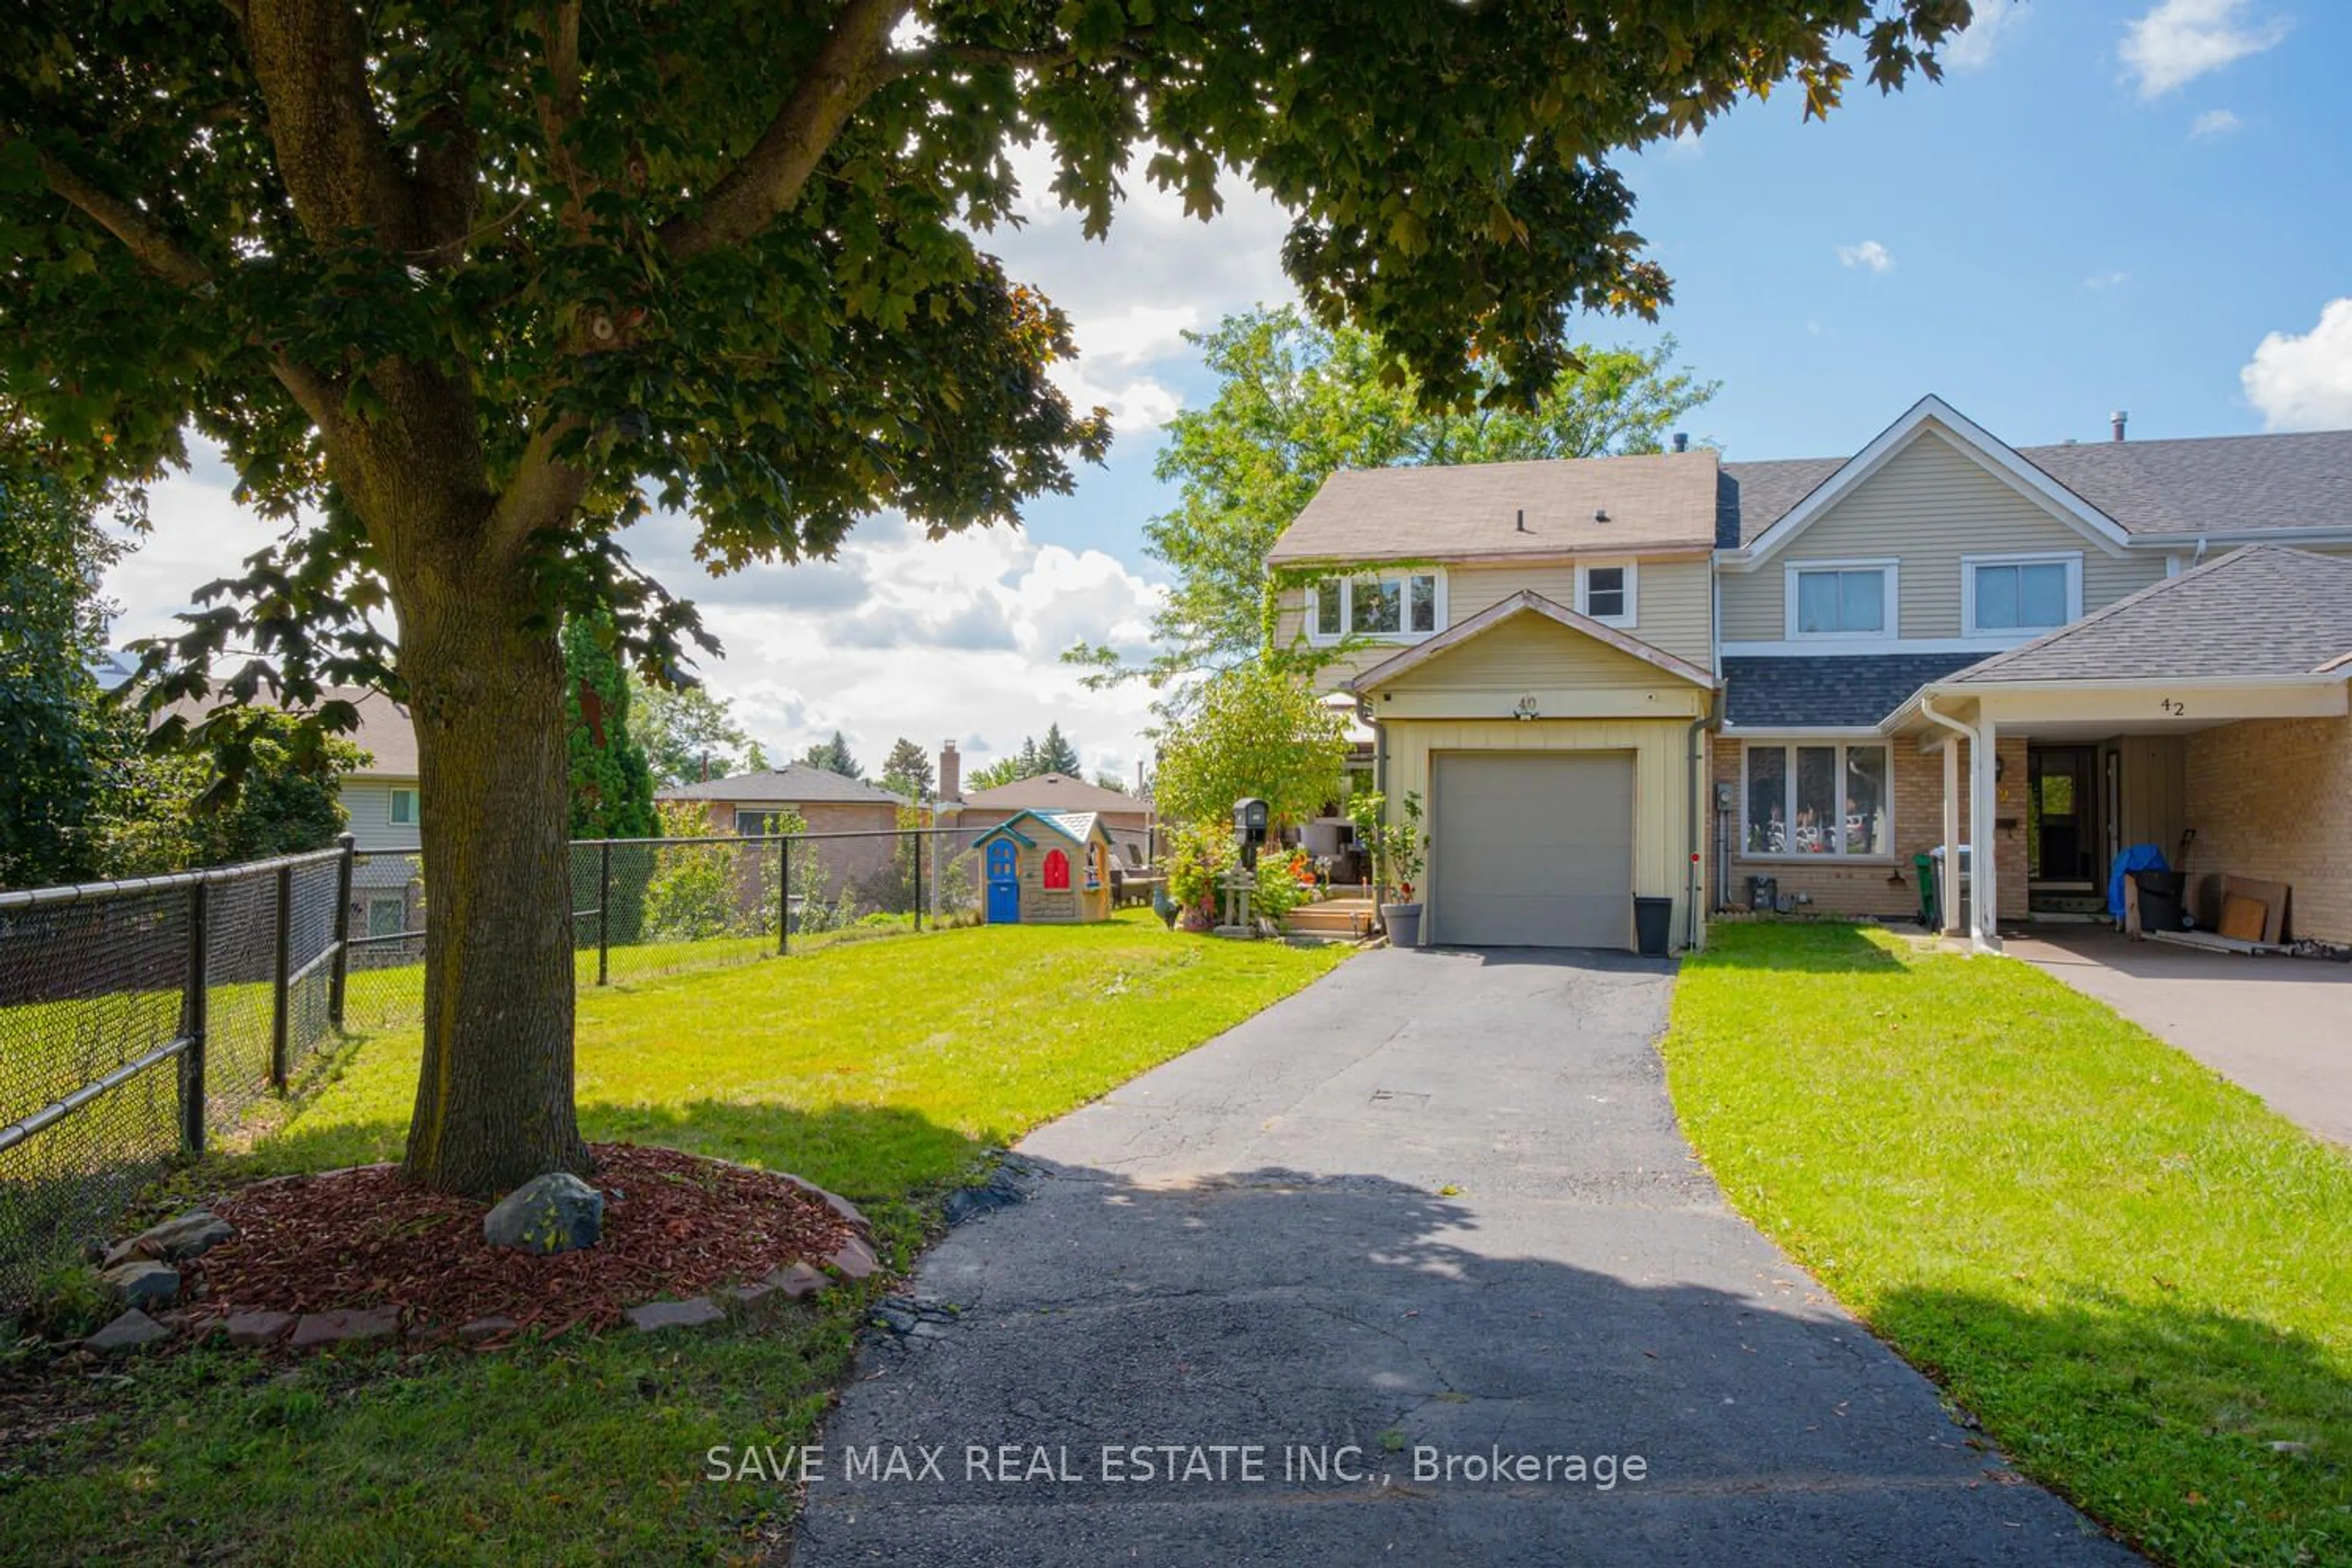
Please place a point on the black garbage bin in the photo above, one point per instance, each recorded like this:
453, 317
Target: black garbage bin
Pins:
1654, 925
2162, 895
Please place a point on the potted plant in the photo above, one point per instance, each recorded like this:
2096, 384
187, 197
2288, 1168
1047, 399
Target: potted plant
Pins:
1396, 849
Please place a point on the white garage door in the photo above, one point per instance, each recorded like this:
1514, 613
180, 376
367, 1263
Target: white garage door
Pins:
1533, 849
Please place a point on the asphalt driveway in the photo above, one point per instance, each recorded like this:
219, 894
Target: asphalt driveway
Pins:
2280, 1026
1428, 1218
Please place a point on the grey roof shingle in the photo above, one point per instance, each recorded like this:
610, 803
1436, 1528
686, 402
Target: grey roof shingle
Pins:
2264, 610
1051, 791
1755, 496
1827, 689
787, 785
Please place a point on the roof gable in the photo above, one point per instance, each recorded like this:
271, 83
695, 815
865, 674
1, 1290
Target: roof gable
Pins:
1529, 603
1930, 415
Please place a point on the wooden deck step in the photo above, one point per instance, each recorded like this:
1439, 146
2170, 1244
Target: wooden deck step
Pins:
1332, 917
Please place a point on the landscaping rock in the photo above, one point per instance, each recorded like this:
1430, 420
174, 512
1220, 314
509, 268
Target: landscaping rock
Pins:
142, 1283
695, 1312
853, 1260
253, 1330
554, 1213
834, 1201
357, 1326
191, 1234
754, 1300
134, 1329
1000, 1191
488, 1328
798, 1281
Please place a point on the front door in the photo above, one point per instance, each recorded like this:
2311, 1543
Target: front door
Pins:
2060, 845
1003, 883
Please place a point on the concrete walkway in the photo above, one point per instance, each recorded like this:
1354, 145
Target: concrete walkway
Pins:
2280, 1026
1431, 1211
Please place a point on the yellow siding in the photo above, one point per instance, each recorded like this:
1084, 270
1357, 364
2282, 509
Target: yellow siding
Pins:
1530, 652
1927, 507
1661, 784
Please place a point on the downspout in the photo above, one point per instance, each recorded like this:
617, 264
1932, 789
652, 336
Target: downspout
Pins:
1710, 720
1951, 874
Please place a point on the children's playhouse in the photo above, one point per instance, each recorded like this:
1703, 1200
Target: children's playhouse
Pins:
1045, 867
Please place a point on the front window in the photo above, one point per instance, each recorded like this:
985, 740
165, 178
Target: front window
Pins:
404, 808
1841, 601
1405, 606
1607, 593
2025, 595
1810, 799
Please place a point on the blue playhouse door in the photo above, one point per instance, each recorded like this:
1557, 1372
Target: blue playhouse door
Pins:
1003, 885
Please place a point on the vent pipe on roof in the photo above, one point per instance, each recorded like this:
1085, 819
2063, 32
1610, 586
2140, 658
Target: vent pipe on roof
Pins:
2116, 420
1681, 440
1520, 526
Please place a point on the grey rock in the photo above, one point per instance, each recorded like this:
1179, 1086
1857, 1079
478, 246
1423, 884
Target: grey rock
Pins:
554, 1213
144, 1283
191, 1234
1000, 1191
853, 1260
482, 1329
357, 1326
760, 1296
251, 1331
834, 1201
798, 1281
694, 1313
134, 1329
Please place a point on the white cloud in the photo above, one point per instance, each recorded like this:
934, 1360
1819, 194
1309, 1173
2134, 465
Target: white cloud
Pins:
1869, 254
2100, 282
2180, 40
2304, 381
2214, 122
1976, 44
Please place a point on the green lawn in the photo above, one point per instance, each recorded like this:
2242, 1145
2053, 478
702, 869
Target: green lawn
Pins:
881, 1070
2137, 1276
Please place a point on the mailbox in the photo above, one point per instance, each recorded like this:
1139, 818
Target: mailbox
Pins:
1249, 825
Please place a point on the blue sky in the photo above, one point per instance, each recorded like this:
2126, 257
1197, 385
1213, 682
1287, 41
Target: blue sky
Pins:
2140, 205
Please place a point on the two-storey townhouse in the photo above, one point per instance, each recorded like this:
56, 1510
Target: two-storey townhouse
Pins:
1867, 656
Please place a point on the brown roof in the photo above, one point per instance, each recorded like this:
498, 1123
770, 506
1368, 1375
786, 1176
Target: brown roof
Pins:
796, 783
384, 731
1052, 792
1470, 511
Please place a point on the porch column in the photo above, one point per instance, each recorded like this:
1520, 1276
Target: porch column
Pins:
1948, 903
1984, 896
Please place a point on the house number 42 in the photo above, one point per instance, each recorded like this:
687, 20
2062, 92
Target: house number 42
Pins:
2174, 706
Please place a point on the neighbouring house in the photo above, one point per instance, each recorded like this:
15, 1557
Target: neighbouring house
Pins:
1670, 675
1127, 818
1046, 868
828, 802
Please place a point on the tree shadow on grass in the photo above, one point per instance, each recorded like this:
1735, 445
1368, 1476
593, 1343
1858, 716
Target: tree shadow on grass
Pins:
1825, 947
2206, 1437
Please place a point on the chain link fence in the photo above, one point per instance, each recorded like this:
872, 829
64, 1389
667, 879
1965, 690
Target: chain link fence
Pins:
138, 1020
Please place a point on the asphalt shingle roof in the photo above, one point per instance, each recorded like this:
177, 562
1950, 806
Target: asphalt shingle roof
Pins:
1050, 792
787, 785
1755, 496
2264, 610
1839, 690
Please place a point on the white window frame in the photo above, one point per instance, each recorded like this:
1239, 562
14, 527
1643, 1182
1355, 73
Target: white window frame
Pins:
1344, 582
397, 901
1890, 610
1787, 746
2070, 559
394, 794
1631, 616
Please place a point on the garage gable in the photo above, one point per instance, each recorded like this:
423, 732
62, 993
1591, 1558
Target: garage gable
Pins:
1528, 643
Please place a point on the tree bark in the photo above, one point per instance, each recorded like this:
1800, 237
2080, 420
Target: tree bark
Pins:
494, 1098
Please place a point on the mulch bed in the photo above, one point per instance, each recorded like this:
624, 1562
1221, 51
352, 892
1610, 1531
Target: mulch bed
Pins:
675, 1225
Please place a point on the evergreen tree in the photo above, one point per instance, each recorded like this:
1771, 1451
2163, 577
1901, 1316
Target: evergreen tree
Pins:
835, 756
1057, 755
907, 769
612, 785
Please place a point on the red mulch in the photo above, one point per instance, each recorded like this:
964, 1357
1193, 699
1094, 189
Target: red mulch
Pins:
675, 1225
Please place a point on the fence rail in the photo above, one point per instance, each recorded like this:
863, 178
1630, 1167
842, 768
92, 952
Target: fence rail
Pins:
142, 1020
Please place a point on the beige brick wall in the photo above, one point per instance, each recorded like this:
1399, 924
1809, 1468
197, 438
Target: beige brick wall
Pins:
2272, 799
1866, 887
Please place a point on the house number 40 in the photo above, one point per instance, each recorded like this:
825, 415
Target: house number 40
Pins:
2174, 706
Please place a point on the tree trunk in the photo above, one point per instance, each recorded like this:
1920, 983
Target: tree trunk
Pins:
494, 1100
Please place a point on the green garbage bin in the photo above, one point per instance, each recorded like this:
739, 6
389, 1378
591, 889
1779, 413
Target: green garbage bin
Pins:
1924, 865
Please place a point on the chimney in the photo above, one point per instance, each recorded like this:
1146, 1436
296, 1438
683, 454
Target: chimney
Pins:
950, 772
1681, 440
2116, 420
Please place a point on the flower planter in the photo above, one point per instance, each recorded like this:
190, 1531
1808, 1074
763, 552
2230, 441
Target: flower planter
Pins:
1403, 923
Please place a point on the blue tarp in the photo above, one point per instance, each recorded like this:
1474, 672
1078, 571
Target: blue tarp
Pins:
2138, 858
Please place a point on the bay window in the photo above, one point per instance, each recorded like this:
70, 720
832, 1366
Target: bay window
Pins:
1806, 798
2033, 594
1401, 606
1841, 599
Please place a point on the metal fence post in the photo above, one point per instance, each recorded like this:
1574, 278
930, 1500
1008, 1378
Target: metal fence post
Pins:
193, 1018
783, 895
917, 857
339, 976
280, 987
604, 910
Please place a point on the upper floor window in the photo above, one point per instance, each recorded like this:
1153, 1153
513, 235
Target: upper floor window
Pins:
1606, 593
1842, 599
1402, 606
404, 808
2020, 593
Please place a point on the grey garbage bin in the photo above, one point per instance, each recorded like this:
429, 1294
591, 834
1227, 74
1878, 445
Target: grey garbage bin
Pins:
1654, 926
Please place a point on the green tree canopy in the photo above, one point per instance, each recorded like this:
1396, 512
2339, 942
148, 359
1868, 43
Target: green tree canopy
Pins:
1298, 402
1258, 730
907, 769
686, 732
1057, 755
612, 787
171, 809
481, 283
833, 756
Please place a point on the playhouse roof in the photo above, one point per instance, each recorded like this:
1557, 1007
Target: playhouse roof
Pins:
1077, 827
